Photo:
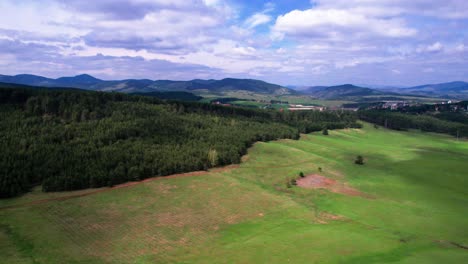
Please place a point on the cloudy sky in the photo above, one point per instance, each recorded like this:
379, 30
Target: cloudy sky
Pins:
318, 42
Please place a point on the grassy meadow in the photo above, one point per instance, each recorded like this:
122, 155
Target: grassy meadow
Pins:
411, 207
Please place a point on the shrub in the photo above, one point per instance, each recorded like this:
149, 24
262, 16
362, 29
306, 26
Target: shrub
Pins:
325, 132
359, 160
293, 182
301, 174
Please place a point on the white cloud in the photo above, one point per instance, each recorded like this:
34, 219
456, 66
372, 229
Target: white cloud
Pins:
211, 2
460, 47
452, 9
260, 18
257, 20
432, 48
435, 47
340, 64
52, 20
338, 24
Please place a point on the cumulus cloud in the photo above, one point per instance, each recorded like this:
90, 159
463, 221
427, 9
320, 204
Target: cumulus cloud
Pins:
453, 9
137, 24
31, 57
338, 24
159, 30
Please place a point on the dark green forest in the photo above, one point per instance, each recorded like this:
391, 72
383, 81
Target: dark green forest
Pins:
68, 139
453, 123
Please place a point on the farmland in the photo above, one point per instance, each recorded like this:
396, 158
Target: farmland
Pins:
410, 208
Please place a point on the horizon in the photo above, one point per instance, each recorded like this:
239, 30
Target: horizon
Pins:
305, 43
291, 86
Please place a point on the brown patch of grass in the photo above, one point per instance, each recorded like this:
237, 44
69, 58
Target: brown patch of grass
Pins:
225, 168
316, 181
325, 218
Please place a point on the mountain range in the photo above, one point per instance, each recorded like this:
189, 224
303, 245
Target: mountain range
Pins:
89, 82
457, 89
451, 89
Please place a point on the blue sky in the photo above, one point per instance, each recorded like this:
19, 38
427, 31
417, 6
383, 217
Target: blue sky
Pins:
318, 42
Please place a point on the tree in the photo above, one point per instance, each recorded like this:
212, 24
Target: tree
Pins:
213, 157
320, 169
301, 174
359, 160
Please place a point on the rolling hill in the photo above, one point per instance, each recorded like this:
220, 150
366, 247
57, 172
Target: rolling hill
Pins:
88, 82
457, 89
342, 91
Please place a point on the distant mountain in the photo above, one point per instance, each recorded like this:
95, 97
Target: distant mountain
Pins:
224, 85
27, 79
451, 89
88, 82
81, 80
342, 91
458, 90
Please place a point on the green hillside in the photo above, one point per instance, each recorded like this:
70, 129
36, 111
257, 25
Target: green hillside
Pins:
406, 204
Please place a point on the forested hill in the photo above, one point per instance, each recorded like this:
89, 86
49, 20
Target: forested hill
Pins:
453, 120
343, 91
88, 82
72, 139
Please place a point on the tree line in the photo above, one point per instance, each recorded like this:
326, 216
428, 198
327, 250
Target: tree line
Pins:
405, 121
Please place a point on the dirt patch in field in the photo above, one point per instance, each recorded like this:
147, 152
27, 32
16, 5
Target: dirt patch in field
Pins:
316, 181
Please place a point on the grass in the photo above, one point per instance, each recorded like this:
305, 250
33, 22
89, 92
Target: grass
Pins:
415, 210
291, 99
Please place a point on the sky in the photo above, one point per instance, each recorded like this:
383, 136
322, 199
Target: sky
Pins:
318, 42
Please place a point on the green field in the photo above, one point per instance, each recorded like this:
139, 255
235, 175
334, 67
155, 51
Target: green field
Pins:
291, 99
412, 208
